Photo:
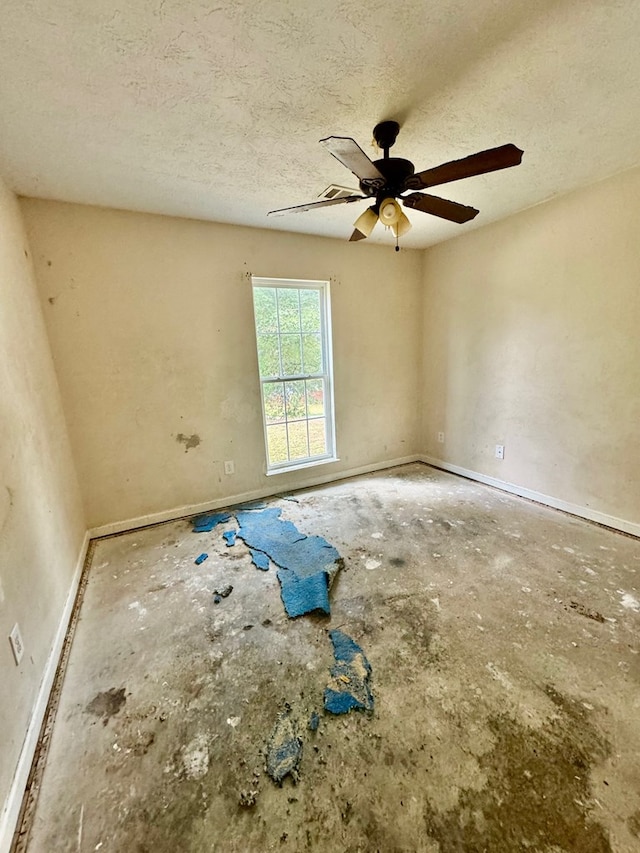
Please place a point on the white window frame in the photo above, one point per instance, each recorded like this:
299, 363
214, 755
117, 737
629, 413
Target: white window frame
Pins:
327, 375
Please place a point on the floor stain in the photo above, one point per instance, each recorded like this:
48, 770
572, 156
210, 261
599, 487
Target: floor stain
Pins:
586, 611
537, 794
633, 823
107, 704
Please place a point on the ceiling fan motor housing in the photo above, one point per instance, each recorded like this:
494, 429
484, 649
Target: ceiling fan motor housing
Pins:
395, 171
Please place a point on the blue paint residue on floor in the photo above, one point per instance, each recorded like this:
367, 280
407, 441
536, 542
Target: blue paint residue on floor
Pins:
307, 563
201, 559
230, 537
350, 685
285, 544
304, 595
206, 523
259, 560
284, 750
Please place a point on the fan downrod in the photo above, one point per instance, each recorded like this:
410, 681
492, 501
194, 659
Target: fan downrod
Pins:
385, 134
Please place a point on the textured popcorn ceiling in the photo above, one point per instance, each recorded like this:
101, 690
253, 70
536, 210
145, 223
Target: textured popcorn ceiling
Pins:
214, 110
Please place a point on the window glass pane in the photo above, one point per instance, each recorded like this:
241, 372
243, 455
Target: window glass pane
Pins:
291, 338
288, 309
298, 444
268, 357
264, 301
317, 437
291, 355
312, 353
295, 395
277, 443
273, 399
310, 310
315, 397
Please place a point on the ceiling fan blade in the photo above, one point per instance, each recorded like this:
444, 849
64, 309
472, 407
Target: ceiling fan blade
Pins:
357, 235
349, 153
299, 208
476, 164
441, 207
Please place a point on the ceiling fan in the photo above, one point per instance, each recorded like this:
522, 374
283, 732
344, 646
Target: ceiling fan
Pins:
389, 178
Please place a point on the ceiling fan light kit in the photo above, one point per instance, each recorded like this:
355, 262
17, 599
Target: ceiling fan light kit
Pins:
389, 178
389, 211
365, 223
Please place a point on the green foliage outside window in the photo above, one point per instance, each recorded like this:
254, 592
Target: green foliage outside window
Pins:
289, 337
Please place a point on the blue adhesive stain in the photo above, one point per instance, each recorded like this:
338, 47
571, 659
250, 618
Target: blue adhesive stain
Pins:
230, 537
345, 650
206, 523
304, 595
300, 557
349, 687
314, 721
201, 559
284, 750
340, 703
285, 544
259, 560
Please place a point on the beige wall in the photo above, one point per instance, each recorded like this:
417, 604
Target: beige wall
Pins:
151, 324
41, 523
532, 340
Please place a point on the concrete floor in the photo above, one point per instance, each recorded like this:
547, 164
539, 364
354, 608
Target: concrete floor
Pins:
504, 643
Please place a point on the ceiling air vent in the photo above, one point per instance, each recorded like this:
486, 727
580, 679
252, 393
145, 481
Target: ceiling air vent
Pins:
334, 191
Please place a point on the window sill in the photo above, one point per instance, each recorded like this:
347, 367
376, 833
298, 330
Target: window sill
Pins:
300, 465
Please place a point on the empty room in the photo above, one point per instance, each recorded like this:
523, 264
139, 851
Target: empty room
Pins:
319, 426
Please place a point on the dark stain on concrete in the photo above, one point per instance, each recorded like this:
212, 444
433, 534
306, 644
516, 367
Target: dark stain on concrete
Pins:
178, 816
418, 617
583, 610
537, 795
397, 561
189, 441
107, 704
633, 822
52, 300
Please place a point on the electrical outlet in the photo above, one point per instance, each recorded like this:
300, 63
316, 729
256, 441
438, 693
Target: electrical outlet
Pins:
441, 437
17, 646
229, 467
499, 451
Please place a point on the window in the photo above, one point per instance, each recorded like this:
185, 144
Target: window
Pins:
293, 332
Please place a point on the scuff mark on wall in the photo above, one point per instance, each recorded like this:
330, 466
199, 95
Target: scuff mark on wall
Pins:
6, 502
189, 441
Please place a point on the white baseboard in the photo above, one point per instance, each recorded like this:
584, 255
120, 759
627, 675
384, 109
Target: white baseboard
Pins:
13, 803
242, 497
585, 512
